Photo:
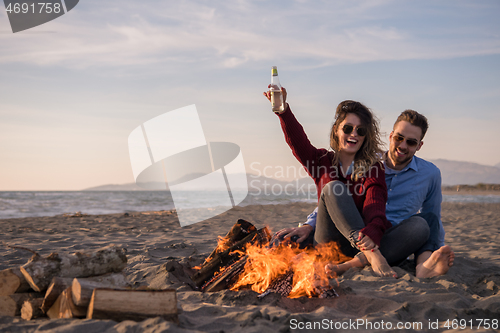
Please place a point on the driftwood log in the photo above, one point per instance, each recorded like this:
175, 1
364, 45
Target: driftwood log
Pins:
12, 281
40, 271
64, 307
56, 287
134, 305
32, 309
229, 256
82, 288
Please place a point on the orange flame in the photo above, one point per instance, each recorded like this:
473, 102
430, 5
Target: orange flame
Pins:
222, 244
265, 265
207, 260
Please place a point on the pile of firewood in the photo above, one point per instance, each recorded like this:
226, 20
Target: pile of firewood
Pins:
80, 285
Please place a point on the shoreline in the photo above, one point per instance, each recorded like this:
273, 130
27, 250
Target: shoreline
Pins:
70, 208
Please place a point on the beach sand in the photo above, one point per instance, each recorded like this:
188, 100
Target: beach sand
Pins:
159, 250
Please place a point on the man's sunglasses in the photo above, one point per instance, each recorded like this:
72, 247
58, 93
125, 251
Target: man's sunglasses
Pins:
347, 129
409, 142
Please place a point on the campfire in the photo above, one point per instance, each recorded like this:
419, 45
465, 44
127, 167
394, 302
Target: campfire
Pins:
247, 258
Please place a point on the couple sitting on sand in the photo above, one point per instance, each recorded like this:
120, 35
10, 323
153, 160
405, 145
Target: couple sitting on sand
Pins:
379, 207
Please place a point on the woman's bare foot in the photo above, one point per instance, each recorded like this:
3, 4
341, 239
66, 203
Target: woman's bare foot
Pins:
333, 270
379, 264
438, 263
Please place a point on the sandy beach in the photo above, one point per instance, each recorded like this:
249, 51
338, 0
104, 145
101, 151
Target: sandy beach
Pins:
160, 252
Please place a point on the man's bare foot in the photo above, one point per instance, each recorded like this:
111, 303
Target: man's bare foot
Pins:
438, 263
379, 264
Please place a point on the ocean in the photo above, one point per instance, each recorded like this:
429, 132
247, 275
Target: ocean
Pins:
14, 204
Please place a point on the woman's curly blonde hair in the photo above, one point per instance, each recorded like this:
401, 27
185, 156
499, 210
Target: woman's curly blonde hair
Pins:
371, 150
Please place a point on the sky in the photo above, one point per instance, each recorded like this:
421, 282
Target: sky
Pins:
73, 89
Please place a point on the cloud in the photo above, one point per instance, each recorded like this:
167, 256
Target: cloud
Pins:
222, 34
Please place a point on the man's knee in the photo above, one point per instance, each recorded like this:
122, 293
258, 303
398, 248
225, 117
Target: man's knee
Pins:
418, 227
422, 226
431, 219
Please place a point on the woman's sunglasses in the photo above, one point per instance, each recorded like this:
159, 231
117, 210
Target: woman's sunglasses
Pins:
347, 129
409, 142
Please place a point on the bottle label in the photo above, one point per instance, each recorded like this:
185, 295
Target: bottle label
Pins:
277, 101
274, 72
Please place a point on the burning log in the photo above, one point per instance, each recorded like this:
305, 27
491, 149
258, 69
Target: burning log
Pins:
226, 278
282, 285
229, 256
288, 270
240, 230
281, 267
326, 292
40, 271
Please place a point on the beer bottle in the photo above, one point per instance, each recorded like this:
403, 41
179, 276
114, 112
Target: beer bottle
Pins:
276, 94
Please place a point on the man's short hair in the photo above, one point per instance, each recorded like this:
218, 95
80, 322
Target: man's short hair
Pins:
414, 118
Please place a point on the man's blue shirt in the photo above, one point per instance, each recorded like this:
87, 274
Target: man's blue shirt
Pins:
415, 189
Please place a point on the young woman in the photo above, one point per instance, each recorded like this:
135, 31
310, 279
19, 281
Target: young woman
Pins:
351, 186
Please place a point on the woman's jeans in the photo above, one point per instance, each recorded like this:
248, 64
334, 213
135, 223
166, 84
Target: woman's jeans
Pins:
339, 220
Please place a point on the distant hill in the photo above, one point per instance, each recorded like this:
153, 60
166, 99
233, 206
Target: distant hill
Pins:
116, 187
467, 173
255, 183
497, 165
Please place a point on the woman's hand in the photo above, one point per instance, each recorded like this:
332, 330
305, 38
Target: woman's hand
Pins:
302, 232
268, 94
365, 243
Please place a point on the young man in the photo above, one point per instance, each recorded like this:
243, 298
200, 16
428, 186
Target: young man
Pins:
414, 186
414, 198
